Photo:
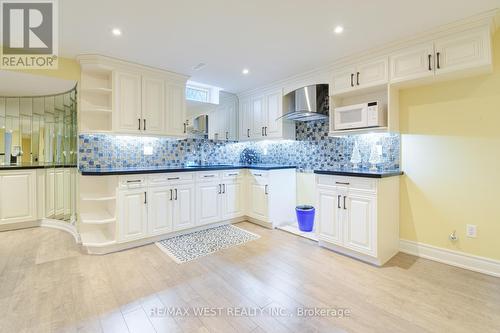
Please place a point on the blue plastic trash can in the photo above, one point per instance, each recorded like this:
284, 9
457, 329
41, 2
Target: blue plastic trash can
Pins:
305, 217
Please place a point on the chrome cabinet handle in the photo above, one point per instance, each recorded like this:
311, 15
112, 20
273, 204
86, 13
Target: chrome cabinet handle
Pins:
352, 80
266, 191
139, 121
175, 194
262, 131
257, 174
344, 202
223, 188
185, 125
144, 126
145, 198
208, 176
220, 188
171, 194
342, 183
248, 132
357, 78
173, 178
338, 201
233, 174
265, 131
134, 181
227, 135
438, 65
429, 58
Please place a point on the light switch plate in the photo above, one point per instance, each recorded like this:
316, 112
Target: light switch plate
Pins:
471, 230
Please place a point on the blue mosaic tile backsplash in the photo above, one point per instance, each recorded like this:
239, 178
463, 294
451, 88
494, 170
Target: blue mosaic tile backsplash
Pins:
312, 150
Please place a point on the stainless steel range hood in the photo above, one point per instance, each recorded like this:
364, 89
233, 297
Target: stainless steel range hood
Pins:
308, 103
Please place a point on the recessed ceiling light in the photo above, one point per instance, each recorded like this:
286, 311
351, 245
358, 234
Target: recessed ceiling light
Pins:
338, 29
116, 32
245, 71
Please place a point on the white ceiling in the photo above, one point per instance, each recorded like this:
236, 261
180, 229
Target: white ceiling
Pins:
24, 84
273, 38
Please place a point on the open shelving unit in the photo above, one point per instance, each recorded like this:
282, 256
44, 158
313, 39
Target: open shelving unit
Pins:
97, 210
386, 94
96, 99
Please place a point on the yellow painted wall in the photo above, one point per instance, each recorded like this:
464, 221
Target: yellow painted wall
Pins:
451, 157
68, 69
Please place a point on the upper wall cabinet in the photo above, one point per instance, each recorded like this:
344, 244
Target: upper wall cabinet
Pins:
362, 75
468, 51
222, 123
121, 97
259, 117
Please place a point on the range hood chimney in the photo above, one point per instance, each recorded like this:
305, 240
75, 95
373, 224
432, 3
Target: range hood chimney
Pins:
308, 103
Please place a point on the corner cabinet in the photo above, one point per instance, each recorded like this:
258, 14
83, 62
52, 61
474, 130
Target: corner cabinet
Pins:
259, 116
359, 216
121, 97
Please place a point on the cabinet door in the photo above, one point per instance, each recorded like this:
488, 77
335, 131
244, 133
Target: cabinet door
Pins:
257, 130
259, 208
246, 120
273, 112
176, 110
208, 203
184, 207
343, 80
463, 51
231, 116
153, 105
132, 214
128, 102
232, 202
17, 197
160, 210
372, 73
330, 215
359, 224
412, 63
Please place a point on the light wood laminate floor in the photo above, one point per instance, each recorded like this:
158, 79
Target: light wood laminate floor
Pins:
48, 285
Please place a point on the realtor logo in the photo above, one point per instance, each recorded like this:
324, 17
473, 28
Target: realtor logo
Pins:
29, 34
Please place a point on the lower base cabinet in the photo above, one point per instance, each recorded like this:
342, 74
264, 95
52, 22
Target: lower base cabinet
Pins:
132, 213
359, 216
17, 196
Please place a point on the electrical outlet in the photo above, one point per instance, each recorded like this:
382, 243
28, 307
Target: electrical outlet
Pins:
148, 150
471, 230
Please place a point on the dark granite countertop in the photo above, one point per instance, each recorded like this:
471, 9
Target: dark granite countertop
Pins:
165, 169
360, 173
35, 165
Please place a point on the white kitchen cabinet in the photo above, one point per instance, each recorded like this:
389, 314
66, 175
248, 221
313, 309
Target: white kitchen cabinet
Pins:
153, 105
176, 110
463, 51
184, 216
160, 210
449, 56
208, 202
360, 227
359, 216
222, 121
412, 63
271, 196
132, 214
329, 217
232, 199
259, 202
258, 116
362, 75
128, 116
17, 196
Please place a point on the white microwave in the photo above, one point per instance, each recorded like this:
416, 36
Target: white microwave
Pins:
365, 115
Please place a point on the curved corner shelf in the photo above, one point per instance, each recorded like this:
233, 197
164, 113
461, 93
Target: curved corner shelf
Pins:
98, 217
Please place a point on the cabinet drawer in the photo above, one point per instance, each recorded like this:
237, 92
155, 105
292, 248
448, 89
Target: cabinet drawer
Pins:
132, 181
170, 178
232, 174
355, 183
208, 176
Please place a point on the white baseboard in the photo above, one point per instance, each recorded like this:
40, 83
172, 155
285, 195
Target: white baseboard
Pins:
65, 226
451, 257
